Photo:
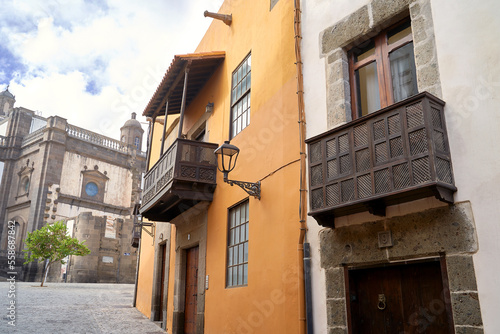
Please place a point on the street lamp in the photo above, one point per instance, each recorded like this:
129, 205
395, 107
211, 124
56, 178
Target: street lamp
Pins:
228, 155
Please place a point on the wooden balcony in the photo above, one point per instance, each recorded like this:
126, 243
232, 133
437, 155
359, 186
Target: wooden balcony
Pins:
395, 155
184, 176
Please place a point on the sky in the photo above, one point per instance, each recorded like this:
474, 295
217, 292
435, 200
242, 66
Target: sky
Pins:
94, 62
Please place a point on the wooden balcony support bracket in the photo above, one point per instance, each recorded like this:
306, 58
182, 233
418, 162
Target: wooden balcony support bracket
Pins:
377, 208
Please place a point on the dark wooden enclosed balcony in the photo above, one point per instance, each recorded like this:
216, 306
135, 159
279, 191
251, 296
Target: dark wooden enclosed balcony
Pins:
395, 155
184, 176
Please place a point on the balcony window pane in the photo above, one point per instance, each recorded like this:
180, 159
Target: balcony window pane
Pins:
399, 33
245, 274
403, 72
368, 90
365, 51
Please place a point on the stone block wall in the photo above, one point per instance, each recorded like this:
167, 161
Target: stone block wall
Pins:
445, 231
360, 26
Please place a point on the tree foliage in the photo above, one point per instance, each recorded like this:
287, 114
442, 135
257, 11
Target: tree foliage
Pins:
52, 244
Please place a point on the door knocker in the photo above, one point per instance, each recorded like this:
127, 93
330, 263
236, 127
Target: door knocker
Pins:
381, 302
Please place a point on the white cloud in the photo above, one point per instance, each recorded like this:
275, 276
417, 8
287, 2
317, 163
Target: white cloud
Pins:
95, 62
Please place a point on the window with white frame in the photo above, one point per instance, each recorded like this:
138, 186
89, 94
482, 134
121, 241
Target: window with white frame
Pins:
240, 97
237, 248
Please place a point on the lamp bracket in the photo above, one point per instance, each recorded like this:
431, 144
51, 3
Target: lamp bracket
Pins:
253, 189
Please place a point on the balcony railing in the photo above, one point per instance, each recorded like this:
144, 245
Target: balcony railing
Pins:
184, 176
395, 155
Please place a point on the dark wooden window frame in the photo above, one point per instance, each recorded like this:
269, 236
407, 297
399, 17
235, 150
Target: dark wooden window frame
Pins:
228, 245
235, 101
381, 57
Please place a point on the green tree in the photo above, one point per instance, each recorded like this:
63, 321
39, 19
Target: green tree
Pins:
51, 244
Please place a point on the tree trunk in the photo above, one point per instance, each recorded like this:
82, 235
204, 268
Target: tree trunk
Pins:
44, 275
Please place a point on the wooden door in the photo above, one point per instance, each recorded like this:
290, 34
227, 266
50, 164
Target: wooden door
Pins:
191, 290
163, 252
399, 299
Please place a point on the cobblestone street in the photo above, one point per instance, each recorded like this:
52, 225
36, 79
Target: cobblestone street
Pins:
73, 308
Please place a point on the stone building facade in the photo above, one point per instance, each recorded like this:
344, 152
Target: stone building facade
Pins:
373, 233
53, 171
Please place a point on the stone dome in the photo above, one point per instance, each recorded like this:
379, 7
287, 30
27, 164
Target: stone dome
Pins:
6, 93
131, 123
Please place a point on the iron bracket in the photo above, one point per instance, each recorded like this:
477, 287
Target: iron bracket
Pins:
253, 189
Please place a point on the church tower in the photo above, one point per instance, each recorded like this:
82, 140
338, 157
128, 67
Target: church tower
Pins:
7, 101
131, 132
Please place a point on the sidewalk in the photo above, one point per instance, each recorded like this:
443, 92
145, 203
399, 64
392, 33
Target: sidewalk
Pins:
73, 308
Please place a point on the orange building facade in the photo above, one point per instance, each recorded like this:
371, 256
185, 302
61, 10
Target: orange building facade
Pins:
217, 258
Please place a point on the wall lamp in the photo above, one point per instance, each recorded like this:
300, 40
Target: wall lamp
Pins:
228, 154
210, 107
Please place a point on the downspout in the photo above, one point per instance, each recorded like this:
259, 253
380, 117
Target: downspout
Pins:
304, 272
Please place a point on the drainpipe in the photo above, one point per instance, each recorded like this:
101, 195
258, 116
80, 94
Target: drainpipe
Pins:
304, 260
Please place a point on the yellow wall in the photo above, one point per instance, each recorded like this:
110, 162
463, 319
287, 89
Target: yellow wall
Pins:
269, 304
145, 278
269, 152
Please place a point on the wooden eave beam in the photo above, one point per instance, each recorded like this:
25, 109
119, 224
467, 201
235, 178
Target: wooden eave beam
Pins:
178, 78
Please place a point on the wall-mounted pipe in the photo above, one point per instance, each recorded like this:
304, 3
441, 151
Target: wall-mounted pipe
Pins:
304, 272
227, 19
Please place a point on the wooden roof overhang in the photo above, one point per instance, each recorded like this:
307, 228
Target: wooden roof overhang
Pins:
201, 66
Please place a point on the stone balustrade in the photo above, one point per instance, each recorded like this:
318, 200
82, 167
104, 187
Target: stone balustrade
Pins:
32, 137
95, 138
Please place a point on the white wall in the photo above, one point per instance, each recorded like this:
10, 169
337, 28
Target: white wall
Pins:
317, 16
468, 54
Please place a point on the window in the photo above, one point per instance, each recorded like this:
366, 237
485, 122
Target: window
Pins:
25, 185
137, 143
91, 189
237, 249
382, 70
94, 184
240, 97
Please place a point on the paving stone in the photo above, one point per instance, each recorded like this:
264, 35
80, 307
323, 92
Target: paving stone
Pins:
76, 308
